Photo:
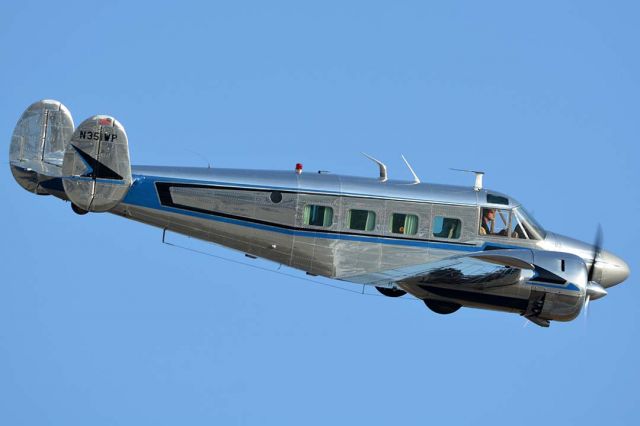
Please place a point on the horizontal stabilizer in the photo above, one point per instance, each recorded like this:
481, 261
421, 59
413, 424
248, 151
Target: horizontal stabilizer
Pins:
38, 143
96, 166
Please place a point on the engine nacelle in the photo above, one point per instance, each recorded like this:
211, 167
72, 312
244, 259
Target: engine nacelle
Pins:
559, 284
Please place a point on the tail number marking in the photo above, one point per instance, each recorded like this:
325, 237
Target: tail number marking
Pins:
95, 136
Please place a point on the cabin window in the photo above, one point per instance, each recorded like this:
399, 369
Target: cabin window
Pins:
406, 224
317, 215
446, 227
361, 220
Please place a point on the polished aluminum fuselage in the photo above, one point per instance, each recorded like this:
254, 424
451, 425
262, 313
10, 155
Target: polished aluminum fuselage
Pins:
235, 208
402, 237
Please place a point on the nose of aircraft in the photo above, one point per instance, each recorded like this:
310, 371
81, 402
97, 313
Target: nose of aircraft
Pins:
610, 269
614, 269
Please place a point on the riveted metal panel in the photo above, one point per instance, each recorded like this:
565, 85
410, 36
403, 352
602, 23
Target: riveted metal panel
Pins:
421, 210
238, 203
282, 212
38, 142
312, 254
348, 186
467, 215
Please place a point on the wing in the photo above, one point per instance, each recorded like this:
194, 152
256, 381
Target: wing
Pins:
479, 270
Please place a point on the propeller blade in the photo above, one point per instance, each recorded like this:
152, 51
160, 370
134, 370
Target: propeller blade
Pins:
586, 307
597, 248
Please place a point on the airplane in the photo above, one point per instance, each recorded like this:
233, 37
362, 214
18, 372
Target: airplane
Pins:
449, 246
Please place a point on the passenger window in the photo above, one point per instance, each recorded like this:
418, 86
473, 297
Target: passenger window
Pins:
318, 216
361, 220
446, 227
495, 222
406, 224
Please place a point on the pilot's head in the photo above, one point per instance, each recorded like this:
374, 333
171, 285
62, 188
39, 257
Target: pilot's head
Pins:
489, 214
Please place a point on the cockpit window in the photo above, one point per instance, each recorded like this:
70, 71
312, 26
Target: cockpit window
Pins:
526, 226
514, 223
497, 199
495, 222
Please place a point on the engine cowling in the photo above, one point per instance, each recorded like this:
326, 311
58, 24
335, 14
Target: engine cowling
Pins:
558, 286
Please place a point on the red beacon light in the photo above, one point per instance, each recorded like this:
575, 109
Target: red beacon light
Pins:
298, 168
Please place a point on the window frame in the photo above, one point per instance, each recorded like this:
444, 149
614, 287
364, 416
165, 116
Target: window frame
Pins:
510, 226
366, 229
311, 206
459, 219
391, 218
532, 228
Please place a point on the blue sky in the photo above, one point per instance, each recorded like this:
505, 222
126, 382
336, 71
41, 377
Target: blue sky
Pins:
102, 324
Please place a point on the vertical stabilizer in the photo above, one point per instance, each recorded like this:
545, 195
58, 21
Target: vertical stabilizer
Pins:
38, 143
96, 166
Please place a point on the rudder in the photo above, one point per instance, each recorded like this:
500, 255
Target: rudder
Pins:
38, 143
96, 165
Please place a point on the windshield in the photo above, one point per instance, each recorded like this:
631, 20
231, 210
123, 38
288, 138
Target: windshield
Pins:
528, 225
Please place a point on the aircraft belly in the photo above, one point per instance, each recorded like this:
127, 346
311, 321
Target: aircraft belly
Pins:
314, 255
514, 298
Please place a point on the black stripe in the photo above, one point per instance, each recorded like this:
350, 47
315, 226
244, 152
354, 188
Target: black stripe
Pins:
546, 276
98, 169
234, 188
164, 194
316, 193
483, 298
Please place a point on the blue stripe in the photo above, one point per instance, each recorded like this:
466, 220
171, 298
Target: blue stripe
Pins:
144, 194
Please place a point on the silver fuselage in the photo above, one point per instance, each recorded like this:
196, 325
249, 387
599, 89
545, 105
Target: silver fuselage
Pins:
449, 246
236, 209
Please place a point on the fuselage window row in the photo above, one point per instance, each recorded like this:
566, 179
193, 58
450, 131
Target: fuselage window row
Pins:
493, 222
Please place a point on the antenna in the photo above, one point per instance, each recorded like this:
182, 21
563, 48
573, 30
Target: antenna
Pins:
199, 155
416, 179
383, 168
479, 175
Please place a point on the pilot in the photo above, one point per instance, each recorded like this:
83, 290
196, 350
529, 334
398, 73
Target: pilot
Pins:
488, 224
488, 216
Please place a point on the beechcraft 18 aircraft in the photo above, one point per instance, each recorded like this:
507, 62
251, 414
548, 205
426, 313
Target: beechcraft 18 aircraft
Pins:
449, 246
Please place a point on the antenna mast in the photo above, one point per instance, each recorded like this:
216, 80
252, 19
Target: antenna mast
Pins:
416, 179
383, 168
477, 186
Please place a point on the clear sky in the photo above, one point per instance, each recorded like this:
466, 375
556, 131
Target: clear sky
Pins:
101, 324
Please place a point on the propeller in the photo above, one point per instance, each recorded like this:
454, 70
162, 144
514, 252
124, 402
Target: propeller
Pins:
594, 290
597, 249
